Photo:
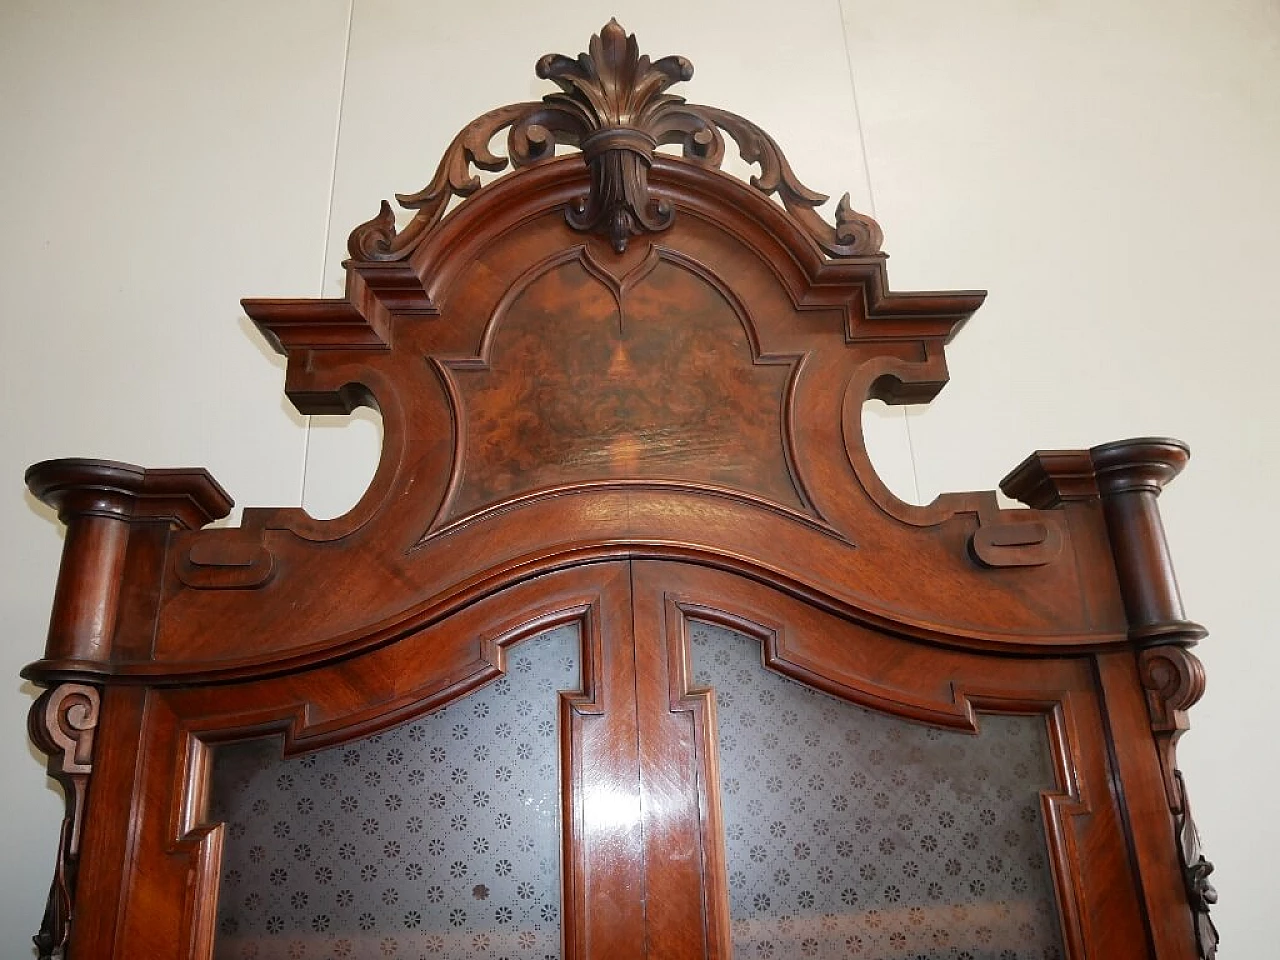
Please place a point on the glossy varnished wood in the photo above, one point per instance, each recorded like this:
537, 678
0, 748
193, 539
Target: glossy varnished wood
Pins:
622, 389
1084, 831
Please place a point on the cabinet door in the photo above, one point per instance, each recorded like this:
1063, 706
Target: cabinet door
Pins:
506, 823
388, 804
437, 838
863, 795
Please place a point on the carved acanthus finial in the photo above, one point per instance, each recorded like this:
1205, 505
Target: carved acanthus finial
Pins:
613, 84
614, 108
619, 95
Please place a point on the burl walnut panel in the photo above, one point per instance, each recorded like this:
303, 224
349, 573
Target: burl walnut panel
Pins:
588, 375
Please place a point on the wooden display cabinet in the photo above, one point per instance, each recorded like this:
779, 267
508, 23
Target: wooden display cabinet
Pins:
622, 394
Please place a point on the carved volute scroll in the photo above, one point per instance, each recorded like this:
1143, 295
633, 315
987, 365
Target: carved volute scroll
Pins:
62, 724
1174, 680
614, 108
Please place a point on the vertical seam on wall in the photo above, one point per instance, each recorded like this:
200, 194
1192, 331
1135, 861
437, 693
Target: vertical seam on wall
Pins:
328, 220
911, 455
871, 203
857, 112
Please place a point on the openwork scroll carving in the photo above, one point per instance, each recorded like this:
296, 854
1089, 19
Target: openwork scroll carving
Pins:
1174, 679
62, 724
614, 108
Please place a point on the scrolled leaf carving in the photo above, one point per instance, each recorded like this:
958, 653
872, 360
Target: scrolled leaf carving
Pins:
1195, 872
613, 106
62, 724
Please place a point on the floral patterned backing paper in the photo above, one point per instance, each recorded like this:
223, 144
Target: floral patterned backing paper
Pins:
854, 834
849, 833
439, 839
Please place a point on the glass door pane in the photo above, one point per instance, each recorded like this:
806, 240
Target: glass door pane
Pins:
440, 838
851, 833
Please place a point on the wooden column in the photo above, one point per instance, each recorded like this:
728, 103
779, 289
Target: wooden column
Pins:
109, 508
1130, 475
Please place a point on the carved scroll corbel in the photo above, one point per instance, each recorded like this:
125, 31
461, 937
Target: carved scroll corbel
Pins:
62, 724
1174, 680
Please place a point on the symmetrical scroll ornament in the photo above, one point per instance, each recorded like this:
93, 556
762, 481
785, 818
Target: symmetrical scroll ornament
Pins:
62, 724
614, 108
1174, 679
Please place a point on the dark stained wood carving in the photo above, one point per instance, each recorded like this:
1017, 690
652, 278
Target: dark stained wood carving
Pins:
618, 387
62, 724
1197, 869
614, 108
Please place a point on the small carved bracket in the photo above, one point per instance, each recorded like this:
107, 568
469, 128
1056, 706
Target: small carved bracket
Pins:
225, 560
1015, 538
1174, 680
62, 724
1029, 543
1050, 478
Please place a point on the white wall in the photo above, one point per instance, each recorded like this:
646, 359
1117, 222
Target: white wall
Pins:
1105, 169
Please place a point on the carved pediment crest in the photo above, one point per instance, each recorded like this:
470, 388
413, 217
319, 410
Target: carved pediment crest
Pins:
613, 107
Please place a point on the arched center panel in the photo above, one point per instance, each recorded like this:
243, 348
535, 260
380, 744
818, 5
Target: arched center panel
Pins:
585, 375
